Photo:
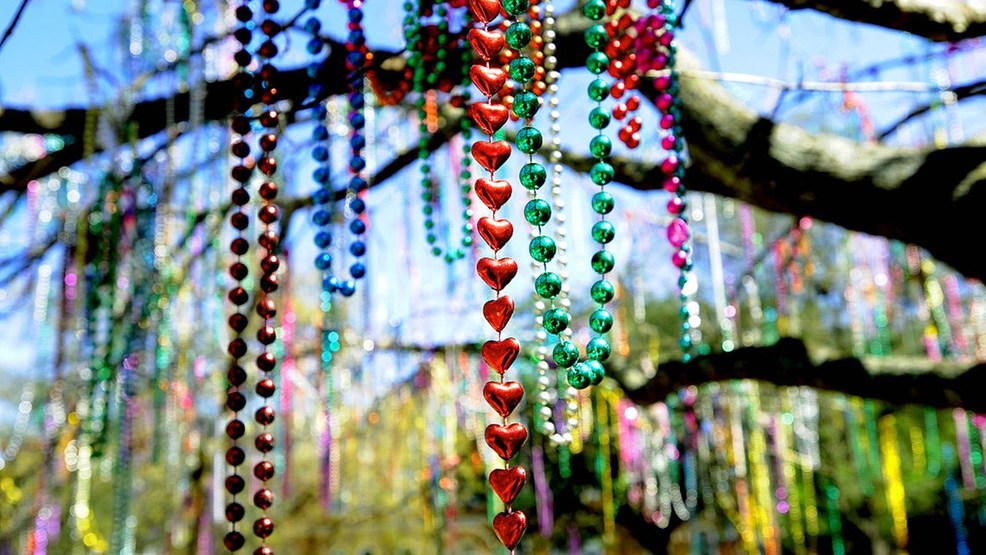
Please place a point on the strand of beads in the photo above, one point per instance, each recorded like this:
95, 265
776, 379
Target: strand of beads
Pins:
237, 349
672, 168
268, 214
426, 43
623, 67
505, 440
597, 349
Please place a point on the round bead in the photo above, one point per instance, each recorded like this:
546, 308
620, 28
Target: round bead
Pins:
598, 90
596, 36
597, 62
522, 69
533, 176
565, 354
600, 146
543, 248
578, 377
525, 104
519, 35
594, 9
233, 541
602, 202
599, 118
603, 232
598, 349
601, 321
515, 7
602, 262
556, 320
548, 285
537, 212
594, 370
529, 140
602, 173
602, 291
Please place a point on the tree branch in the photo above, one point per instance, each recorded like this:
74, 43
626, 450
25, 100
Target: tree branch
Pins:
13, 23
937, 20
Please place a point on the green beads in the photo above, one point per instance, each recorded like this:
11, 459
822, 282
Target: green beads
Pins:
598, 349
529, 140
599, 118
602, 262
525, 104
578, 377
601, 321
519, 35
602, 173
556, 320
594, 9
603, 232
596, 36
598, 90
597, 62
522, 69
537, 212
602, 291
548, 285
532, 176
600, 146
602, 202
543, 248
565, 354
515, 7
594, 370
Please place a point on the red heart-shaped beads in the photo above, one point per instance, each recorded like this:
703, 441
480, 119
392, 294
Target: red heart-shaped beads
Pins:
507, 482
510, 528
500, 354
484, 11
489, 80
496, 273
488, 117
486, 43
491, 155
506, 440
498, 312
496, 233
493, 192
503, 396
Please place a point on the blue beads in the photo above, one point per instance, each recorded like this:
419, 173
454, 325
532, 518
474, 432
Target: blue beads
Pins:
330, 285
320, 153
357, 270
322, 196
323, 261
358, 248
357, 227
321, 217
323, 239
347, 288
357, 206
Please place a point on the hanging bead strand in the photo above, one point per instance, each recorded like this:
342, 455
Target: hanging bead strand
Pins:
238, 270
505, 440
598, 349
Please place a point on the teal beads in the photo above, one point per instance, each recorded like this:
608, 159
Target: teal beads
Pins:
602, 291
602, 262
548, 285
597, 62
596, 36
515, 7
556, 320
537, 212
598, 349
601, 321
578, 377
594, 370
599, 117
594, 9
603, 232
522, 69
519, 35
543, 248
602, 173
532, 176
600, 146
598, 90
529, 140
602, 202
565, 354
525, 104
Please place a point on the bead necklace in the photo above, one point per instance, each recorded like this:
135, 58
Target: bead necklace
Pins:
668, 103
497, 272
268, 214
425, 43
237, 349
622, 51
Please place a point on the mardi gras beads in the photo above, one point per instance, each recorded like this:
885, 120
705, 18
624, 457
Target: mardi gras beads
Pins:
497, 272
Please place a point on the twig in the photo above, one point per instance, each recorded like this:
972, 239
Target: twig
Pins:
13, 23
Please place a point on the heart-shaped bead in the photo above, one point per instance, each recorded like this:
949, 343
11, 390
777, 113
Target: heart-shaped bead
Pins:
497, 273
503, 396
488, 117
491, 155
510, 528
507, 482
489, 80
506, 440
496, 233
498, 312
493, 192
484, 11
500, 354
486, 43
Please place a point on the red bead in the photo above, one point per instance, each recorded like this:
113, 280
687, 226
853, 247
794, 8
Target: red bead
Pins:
235, 484
271, 6
235, 401
624, 133
634, 141
239, 220
233, 540
263, 527
667, 121
241, 173
240, 149
268, 72
263, 550
238, 296
234, 512
235, 456
266, 308
266, 335
268, 165
617, 90
266, 388
268, 142
240, 196
238, 322
268, 283
263, 499
268, 190
671, 184
244, 13
268, 214
633, 102
632, 81
269, 118
264, 416
239, 246
268, 240
264, 470
668, 142
264, 442
236, 375
266, 362
241, 125
635, 123
268, 49
270, 263
238, 271
620, 111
